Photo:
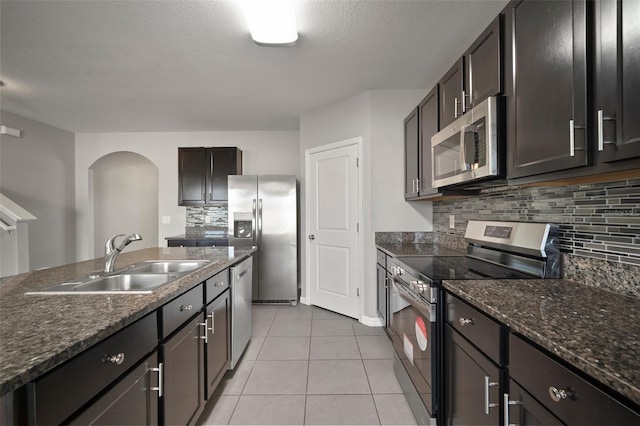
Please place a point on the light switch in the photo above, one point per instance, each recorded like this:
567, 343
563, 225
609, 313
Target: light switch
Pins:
452, 221
166, 220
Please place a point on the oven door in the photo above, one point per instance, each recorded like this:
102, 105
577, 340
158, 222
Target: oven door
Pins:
414, 336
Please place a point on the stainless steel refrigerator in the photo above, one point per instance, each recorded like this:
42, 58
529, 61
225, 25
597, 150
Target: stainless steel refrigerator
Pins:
263, 212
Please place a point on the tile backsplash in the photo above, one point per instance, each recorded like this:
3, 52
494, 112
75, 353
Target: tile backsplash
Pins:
597, 221
202, 220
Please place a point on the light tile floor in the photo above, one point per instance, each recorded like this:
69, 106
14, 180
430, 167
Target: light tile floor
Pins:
306, 365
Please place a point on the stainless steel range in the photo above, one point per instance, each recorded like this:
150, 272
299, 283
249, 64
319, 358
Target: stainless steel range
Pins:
496, 250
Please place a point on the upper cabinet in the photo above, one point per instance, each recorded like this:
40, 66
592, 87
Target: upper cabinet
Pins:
451, 89
202, 174
546, 86
475, 76
617, 80
483, 65
411, 158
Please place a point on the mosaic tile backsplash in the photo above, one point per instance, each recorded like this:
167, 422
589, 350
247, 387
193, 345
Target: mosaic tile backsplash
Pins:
197, 225
598, 221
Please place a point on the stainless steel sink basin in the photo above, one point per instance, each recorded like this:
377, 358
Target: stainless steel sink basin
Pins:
112, 284
167, 266
142, 278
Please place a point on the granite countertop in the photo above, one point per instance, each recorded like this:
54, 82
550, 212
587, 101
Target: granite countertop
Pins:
417, 249
39, 332
592, 329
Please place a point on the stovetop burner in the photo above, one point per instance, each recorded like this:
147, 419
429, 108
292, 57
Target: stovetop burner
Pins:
458, 268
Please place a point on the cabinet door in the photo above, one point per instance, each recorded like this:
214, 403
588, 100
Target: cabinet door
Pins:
525, 410
193, 167
183, 374
218, 341
471, 383
483, 62
451, 87
411, 160
132, 401
547, 81
429, 119
382, 293
617, 80
222, 163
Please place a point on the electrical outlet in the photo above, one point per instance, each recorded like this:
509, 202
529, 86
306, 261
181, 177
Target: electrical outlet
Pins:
166, 220
452, 221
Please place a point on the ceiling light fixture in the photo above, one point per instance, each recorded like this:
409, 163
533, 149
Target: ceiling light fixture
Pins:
271, 22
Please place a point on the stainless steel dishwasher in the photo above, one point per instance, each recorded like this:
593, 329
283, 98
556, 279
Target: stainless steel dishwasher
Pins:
241, 281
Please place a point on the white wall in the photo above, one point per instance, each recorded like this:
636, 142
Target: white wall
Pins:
377, 117
37, 172
125, 200
267, 152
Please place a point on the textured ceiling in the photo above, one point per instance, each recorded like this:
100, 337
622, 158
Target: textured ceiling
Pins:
116, 66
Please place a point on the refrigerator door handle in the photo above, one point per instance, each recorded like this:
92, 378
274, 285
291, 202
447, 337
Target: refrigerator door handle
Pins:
260, 223
253, 223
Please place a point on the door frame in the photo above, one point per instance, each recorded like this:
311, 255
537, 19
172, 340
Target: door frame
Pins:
307, 158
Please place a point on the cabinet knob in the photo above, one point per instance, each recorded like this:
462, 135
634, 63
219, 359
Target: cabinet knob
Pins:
218, 284
466, 321
312, 237
557, 394
114, 359
185, 308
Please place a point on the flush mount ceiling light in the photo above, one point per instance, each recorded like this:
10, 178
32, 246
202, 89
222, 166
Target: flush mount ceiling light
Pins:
271, 22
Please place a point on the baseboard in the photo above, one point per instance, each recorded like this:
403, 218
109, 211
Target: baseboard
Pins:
372, 321
303, 301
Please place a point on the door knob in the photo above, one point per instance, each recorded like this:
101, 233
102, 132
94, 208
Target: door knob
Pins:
312, 237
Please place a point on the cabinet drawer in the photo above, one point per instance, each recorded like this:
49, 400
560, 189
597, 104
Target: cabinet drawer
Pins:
481, 330
569, 397
381, 258
215, 285
178, 311
181, 243
58, 394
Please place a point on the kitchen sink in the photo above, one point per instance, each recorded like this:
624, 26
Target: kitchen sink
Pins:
167, 266
142, 278
112, 284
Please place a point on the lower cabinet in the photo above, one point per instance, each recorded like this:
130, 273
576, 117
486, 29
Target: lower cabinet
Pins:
218, 342
133, 400
472, 384
560, 392
183, 354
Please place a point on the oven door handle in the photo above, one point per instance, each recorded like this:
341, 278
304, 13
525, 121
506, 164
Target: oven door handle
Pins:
426, 308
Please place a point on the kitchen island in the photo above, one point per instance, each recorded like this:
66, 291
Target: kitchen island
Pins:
40, 332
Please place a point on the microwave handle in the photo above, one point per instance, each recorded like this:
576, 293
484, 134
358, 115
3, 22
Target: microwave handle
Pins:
463, 160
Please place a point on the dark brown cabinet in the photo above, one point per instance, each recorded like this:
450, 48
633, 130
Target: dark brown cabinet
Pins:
218, 341
451, 88
411, 159
477, 75
525, 410
196, 243
546, 86
420, 125
483, 63
617, 80
183, 398
472, 384
563, 393
473, 366
202, 174
132, 401
382, 284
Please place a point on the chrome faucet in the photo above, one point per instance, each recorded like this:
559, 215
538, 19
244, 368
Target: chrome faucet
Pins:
111, 252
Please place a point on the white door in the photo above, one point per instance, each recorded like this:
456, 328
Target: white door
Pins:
333, 206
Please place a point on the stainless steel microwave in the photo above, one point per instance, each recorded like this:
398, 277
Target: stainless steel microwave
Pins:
468, 149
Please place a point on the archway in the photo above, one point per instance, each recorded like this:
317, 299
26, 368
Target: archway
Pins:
123, 191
